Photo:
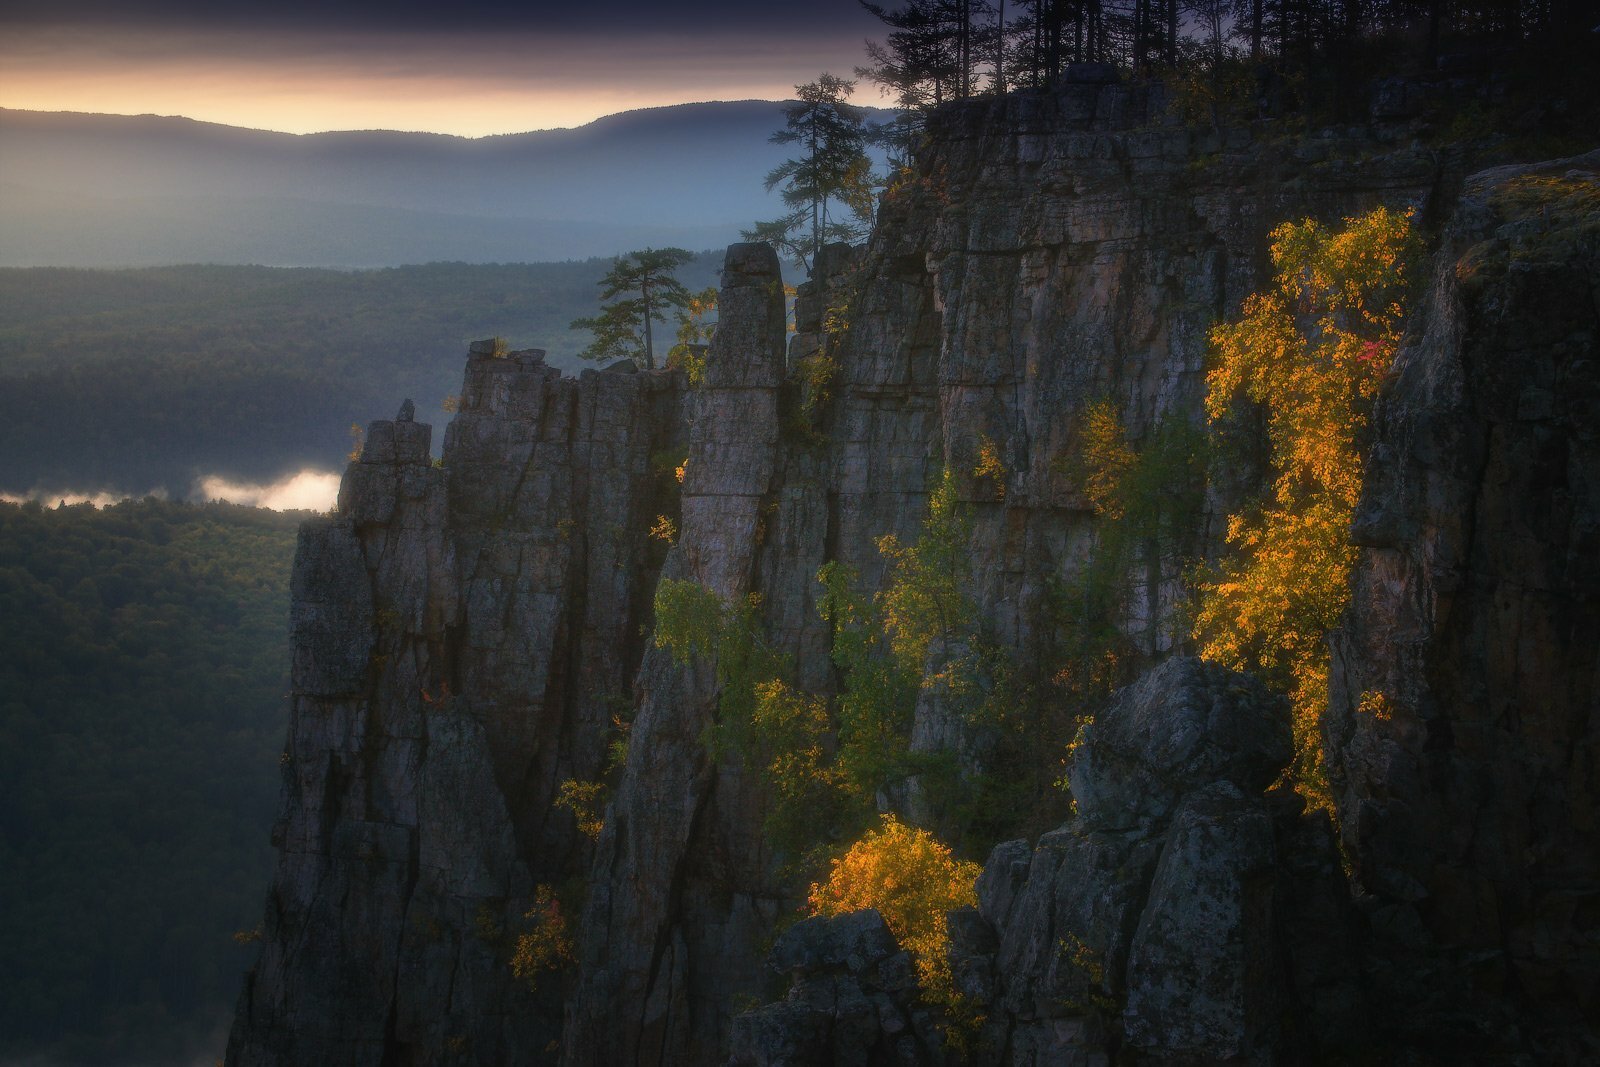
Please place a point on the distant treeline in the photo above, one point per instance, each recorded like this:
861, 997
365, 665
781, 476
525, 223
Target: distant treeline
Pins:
133, 380
938, 50
143, 670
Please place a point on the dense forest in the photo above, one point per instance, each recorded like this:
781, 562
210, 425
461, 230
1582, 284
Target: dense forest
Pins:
136, 380
143, 664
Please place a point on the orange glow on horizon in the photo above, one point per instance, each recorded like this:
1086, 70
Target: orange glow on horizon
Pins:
463, 84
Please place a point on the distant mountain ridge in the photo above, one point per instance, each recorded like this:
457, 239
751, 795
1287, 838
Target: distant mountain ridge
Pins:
110, 190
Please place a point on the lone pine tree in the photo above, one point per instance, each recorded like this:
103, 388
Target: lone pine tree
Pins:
637, 290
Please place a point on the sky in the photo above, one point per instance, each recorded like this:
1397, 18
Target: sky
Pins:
469, 67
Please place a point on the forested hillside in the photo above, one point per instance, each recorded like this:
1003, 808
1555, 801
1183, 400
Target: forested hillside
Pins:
143, 664
142, 379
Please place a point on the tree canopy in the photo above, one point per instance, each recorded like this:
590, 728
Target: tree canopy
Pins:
939, 50
144, 659
135, 379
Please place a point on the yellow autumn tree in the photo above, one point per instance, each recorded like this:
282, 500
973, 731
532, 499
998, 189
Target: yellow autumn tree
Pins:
697, 324
1310, 351
546, 945
913, 882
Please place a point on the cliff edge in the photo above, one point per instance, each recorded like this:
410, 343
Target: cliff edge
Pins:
468, 636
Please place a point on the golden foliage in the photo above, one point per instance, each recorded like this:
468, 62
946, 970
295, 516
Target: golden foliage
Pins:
548, 945
697, 324
664, 529
1311, 351
990, 465
1377, 705
1106, 457
913, 882
583, 799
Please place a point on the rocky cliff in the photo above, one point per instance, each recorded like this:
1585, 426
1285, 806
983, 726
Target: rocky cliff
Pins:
1183, 915
464, 635
1050, 251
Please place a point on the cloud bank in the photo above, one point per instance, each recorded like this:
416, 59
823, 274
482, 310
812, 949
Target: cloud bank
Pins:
307, 490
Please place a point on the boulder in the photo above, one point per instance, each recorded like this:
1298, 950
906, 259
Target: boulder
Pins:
1182, 726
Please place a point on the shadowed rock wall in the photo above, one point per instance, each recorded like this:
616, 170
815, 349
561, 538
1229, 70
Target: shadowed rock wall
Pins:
1182, 916
462, 635
1464, 720
1048, 251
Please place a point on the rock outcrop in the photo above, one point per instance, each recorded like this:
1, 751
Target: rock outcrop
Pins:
1464, 722
465, 634
853, 1000
1194, 929
680, 894
462, 636
1185, 917
1050, 251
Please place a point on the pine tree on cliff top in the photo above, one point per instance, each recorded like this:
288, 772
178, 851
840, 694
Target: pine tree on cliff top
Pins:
636, 293
832, 167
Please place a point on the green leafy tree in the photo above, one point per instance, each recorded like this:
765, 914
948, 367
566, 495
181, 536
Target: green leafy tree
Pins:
636, 292
833, 167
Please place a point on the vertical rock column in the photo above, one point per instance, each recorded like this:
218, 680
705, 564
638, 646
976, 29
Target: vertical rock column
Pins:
677, 905
394, 837
461, 634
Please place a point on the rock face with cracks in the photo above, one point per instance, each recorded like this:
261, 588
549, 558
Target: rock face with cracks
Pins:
462, 636
465, 636
1464, 722
1176, 934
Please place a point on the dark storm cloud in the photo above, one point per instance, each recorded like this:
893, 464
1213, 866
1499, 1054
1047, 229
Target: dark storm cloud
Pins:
620, 17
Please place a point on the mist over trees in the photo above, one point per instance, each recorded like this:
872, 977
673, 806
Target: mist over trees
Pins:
122, 191
143, 379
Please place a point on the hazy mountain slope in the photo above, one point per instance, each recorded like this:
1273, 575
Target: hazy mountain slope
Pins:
132, 380
46, 228
107, 190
